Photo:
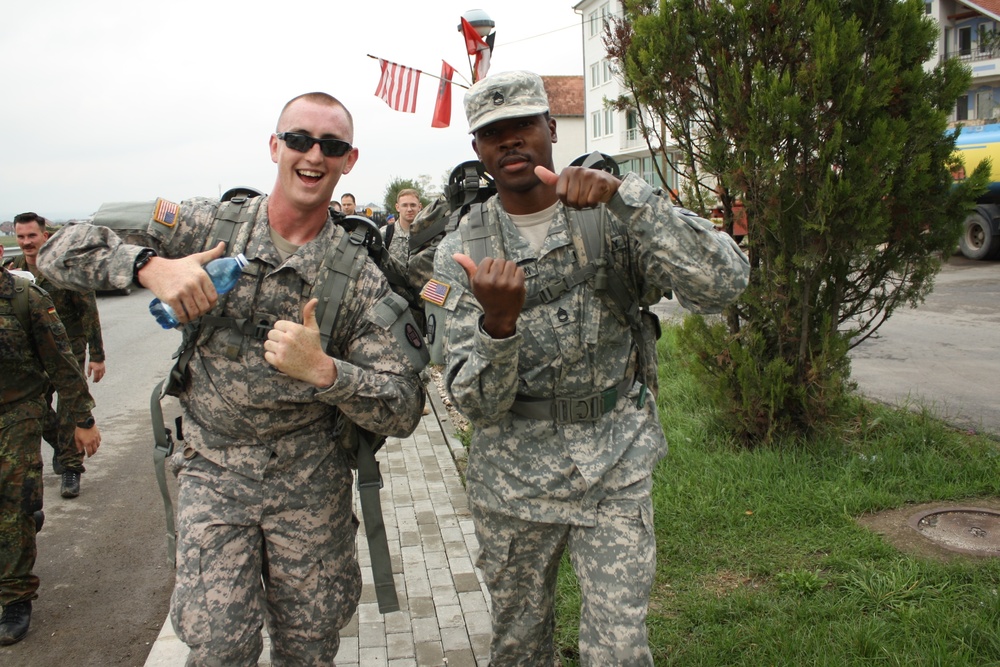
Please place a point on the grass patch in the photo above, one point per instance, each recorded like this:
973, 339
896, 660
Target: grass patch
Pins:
761, 561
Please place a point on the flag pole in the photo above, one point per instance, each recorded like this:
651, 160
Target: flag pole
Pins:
433, 76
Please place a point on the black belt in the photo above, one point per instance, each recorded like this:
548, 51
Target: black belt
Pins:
570, 410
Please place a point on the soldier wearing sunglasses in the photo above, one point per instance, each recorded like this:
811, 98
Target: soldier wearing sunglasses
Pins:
264, 491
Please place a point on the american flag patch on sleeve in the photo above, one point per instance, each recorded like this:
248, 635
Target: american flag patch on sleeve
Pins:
165, 212
435, 292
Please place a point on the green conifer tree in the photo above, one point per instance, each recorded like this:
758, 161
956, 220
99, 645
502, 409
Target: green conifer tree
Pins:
820, 117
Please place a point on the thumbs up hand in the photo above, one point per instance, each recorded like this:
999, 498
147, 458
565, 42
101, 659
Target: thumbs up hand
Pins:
296, 350
580, 187
498, 285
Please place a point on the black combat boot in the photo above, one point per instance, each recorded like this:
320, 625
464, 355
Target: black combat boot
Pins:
70, 484
14, 622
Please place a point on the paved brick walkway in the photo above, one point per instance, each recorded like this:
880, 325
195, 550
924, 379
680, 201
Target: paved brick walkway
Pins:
444, 618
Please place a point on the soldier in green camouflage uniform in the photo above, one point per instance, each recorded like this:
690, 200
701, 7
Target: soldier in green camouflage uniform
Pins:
581, 483
29, 361
264, 489
78, 312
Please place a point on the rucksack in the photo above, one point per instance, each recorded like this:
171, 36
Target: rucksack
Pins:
466, 201
339, 269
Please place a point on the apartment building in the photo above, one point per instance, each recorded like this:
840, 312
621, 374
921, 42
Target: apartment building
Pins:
969, 31
612, 132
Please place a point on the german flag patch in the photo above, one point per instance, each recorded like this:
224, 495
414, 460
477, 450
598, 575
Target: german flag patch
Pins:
165, 212
435, 292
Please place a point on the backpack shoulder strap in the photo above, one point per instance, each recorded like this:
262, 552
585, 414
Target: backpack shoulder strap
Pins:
230, 218
481, 235
589, 229
22, 308
340, 268
341, 265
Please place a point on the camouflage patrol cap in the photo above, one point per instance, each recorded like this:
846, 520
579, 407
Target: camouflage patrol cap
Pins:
505, 95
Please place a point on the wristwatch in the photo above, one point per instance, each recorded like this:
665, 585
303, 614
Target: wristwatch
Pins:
141, 260
89, 422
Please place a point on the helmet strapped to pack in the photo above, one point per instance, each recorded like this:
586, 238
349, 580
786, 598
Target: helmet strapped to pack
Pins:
598, 160
468, 184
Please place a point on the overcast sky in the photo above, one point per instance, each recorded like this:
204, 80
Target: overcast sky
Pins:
127, 100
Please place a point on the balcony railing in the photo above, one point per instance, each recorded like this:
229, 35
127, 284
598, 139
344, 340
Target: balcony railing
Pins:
631, 138
975, 55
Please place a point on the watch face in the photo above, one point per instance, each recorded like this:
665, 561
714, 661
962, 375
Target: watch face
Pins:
87, 423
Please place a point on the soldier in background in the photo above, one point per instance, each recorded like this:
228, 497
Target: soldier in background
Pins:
78, 312
397, 233
348, 204
565, 437
32, 355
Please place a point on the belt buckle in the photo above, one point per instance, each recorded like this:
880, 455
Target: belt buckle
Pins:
586, 409
261, 328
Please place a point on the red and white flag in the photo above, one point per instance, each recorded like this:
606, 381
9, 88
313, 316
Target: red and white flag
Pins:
398, 86
442, 107
478, 47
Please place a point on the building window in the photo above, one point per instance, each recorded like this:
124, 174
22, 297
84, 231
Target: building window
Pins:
595, 123
987, 38
632, 133
607, 70
598, 19
609, 121
595, 75
927, 7
965, 41
962, 108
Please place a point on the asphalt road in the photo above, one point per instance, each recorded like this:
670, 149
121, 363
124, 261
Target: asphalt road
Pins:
105, 579
943, 356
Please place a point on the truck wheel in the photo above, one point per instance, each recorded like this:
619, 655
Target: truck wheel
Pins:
978, 240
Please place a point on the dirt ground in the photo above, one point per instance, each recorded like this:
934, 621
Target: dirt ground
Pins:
894, 526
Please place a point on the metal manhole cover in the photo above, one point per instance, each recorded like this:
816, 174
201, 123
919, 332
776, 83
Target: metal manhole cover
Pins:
973, 530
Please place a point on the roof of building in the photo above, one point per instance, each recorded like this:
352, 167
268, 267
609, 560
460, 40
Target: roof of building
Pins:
565, 95
989, 6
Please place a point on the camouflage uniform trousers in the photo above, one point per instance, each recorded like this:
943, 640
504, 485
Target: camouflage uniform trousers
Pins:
296, 534
614, 561
20, 497
59, 426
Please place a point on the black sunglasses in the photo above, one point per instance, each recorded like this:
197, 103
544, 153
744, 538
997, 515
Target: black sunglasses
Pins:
303, 143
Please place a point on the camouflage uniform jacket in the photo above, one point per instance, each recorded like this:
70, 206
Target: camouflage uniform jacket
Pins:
77, 310
245, 410
399, 247
540, 470
29, 361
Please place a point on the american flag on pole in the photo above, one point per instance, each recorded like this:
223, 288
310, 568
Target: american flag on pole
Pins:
398, 86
